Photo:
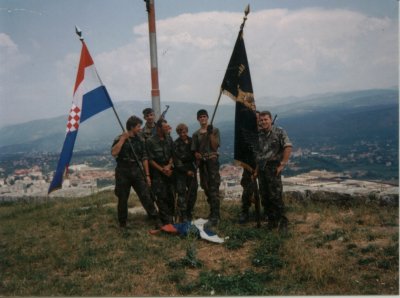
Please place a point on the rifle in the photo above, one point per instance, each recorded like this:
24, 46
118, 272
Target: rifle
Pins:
153, 197
192, 180
135, 157
162, 116
273, 121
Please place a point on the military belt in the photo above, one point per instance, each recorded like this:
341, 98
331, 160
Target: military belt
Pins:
161, 163
187, 160
271, 163
209, 155
126, 163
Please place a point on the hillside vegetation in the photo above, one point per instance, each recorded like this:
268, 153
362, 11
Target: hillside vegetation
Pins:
74, 247
336, 117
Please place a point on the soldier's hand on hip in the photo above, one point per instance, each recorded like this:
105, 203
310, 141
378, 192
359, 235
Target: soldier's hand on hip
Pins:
279, 169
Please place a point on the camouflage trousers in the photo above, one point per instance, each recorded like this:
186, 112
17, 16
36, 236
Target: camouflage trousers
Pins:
163, 189
271, 193
209, 182
125, 178
186, 187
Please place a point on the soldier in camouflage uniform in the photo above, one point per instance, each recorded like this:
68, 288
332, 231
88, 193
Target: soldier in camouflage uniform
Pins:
160, 152
128, 172
185, 174
272, 156
149, 128
205, 143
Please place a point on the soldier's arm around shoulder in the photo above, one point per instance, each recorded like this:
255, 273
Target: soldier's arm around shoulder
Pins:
149, 148
141, 136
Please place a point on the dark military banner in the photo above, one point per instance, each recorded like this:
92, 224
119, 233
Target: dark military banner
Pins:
237, 85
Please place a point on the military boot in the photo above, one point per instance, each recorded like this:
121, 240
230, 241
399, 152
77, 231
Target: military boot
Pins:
283, 226
211, 223
155, 219
244, 216
189, 216
183, 218
214, 218
272, 224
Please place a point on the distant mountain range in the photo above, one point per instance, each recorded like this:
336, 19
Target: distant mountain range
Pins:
324, 118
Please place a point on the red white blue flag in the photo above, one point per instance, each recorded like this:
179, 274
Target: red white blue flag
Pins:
90, 97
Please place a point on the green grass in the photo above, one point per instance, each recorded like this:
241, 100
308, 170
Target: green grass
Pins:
215, 283
74, 247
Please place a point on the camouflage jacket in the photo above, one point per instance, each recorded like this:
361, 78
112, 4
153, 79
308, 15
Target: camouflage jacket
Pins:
183, 155
271, 145
199, 144
148, 132
161, 151
125, 156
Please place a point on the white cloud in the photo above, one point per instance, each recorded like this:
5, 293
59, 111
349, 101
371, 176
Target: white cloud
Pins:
316, 50
10, 56
12, 62
290, 53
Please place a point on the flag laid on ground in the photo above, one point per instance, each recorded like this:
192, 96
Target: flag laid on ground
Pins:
237, 85
90, 97
196, 227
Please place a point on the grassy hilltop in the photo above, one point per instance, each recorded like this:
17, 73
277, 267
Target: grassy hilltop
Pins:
74, 247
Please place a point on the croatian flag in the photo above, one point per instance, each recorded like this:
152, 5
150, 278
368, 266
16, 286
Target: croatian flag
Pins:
90, 98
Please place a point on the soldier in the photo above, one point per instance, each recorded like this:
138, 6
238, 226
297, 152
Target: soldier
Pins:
205, 143
149, 128
160, 152
185, 174
248, 184
272, 156
128, 172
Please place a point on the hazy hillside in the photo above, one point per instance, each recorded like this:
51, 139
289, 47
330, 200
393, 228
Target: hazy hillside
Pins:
336, 117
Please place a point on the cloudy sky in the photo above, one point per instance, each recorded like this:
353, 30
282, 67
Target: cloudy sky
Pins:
294, 48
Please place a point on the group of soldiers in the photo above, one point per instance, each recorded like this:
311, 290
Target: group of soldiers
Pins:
159, 168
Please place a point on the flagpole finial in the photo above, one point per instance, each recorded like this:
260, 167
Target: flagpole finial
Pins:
78, 32
246, 12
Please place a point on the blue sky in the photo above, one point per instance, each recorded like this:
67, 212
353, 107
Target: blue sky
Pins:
294, 47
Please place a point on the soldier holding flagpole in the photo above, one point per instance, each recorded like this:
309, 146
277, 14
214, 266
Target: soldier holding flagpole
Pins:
131, 155
205, 144
238, 86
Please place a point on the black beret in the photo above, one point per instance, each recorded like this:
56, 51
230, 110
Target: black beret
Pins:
201, 113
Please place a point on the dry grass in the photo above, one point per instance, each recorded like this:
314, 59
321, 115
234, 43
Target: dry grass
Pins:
60, 248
